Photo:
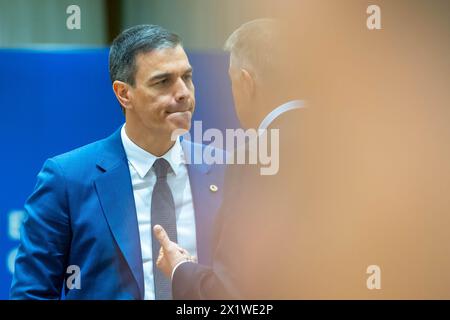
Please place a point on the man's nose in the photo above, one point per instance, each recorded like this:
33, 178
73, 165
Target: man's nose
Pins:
182, 92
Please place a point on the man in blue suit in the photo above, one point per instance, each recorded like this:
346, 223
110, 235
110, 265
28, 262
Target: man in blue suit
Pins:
88, 231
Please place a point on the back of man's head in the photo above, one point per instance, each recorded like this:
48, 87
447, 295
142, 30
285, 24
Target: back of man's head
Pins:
255, 46
263, 47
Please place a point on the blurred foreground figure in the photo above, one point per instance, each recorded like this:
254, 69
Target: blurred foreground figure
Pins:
364, 173
256, 239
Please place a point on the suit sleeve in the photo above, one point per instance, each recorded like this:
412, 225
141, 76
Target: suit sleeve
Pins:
192, 281
45, 238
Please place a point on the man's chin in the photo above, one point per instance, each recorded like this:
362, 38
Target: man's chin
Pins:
180, 122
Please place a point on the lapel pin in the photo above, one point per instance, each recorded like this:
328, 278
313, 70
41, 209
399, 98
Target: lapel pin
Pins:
213, 188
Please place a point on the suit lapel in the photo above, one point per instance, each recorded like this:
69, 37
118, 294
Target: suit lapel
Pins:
201, 177
115, 192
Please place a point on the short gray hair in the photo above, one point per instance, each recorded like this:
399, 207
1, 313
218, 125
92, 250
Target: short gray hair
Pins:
254, 44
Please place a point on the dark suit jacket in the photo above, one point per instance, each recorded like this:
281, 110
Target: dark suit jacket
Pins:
257, 223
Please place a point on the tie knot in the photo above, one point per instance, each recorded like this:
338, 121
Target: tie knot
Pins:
161, 167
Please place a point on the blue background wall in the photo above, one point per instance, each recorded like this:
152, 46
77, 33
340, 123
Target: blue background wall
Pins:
53, 101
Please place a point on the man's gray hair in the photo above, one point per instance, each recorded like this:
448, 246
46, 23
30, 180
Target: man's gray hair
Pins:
254, 45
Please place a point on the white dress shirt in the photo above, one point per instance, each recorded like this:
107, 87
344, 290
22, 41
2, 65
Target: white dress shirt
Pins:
143, 179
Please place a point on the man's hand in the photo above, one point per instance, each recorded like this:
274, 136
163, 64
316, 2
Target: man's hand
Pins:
170, 253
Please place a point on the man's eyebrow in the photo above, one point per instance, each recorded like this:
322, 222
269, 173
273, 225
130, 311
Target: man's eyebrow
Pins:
160, 76
164, 75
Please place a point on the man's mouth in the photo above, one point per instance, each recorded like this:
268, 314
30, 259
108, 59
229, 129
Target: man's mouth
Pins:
181, 116
179, 110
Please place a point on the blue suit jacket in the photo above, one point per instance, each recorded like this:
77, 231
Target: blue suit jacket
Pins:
82, 212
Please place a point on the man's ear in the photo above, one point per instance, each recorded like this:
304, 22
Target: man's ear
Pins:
123, 93
247, 82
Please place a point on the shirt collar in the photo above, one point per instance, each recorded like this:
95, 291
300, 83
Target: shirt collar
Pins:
275, 113
142, 160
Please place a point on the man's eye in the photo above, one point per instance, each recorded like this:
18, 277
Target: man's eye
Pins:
163, 81
187, 77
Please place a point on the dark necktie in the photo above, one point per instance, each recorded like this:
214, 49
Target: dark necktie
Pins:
162, 213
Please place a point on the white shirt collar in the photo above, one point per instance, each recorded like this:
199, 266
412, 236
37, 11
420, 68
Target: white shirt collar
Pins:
275, 113
142, 160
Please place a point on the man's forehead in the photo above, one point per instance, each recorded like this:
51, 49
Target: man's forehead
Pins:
163, 56
162, 61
